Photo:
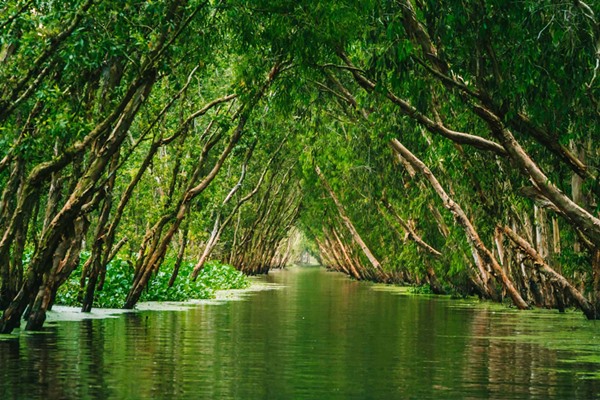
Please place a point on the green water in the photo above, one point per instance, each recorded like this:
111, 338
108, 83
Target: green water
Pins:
320, 336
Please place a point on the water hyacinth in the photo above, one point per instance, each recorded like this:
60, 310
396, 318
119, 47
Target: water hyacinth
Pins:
215, 276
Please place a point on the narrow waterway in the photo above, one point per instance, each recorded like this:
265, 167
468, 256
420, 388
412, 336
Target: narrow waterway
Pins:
318, 336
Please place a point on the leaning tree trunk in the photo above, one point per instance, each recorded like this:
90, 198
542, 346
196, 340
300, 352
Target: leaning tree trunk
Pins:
588, 309
459, 215
434, 282
92, 267
352, 270
64, 261
596, 281
576, 215
82, 193
159, 248
7, 205
411, 233
348, 223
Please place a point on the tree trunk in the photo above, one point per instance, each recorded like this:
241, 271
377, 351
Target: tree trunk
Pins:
9, 285
93, 265
355, 236
576, 215
64, 261
587, 308
348, 261
434, 283
596, 282
411, 233
157, 254
81, 195
460, 217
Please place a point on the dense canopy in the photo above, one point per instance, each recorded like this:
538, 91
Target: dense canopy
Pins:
447, 144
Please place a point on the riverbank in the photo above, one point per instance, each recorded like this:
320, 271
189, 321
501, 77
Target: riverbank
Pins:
61, 313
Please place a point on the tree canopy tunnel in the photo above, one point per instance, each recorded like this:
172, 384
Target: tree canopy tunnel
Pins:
431, 143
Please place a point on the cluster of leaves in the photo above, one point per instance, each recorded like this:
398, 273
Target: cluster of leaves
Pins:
219, 276
215, 276
420, 289
118, 281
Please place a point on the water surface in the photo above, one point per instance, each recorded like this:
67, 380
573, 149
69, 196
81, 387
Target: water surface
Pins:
320, 336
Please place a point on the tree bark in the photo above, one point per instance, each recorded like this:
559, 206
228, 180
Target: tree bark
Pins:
64, 261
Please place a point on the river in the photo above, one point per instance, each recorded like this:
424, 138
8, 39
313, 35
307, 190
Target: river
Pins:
314, 335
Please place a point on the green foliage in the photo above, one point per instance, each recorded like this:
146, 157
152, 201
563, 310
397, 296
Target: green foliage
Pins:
215, 276
220, 276
117, 284
420, 289
507, 53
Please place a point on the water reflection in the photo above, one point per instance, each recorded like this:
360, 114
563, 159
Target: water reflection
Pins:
323, 336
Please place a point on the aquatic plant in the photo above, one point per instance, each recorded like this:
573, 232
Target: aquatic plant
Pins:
119, 275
